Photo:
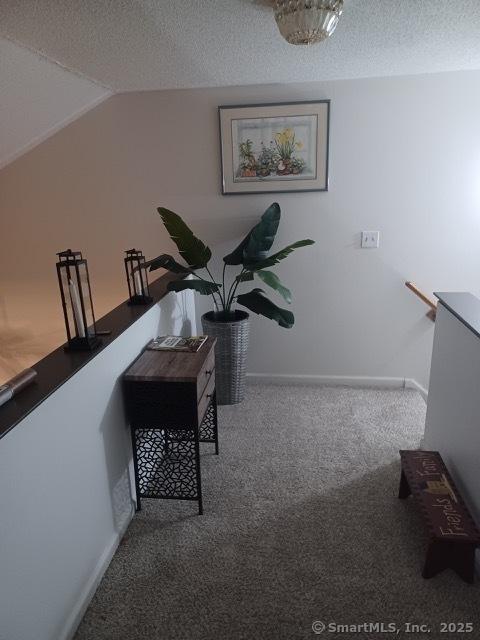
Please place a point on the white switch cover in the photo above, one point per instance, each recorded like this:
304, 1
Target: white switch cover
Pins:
370, 239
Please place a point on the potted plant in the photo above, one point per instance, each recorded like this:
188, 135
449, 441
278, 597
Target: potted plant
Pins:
286, 145
297, 165
267, 161
248, 164
227, 323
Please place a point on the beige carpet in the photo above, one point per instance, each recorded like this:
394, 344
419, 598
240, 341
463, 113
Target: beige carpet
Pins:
301, 524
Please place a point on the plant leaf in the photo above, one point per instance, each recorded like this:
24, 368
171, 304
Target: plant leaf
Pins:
259, 239
193, 251
164, 261
272, 280
263, 234
203, 287
247, 276
258, 303
277, 257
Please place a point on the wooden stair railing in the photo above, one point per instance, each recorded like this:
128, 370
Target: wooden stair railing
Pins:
432, 314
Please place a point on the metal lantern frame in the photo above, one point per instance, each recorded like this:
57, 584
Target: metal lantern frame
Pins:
137, 280
77, 304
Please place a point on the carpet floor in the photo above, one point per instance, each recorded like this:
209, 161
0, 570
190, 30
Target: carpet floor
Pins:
301, 524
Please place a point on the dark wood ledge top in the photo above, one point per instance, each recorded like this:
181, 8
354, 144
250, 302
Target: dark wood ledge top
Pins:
465, 307
59, 366
170, 366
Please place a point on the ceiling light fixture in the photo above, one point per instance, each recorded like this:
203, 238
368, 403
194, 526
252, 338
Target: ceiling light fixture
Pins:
307, 21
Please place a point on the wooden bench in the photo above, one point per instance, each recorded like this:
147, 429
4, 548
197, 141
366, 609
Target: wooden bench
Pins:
453, 534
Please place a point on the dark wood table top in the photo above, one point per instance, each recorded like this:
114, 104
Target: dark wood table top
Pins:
169, 366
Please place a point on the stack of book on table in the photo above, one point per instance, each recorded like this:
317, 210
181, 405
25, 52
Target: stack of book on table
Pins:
177, 343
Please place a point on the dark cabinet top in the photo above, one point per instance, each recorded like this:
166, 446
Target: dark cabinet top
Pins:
170, 366
465, 307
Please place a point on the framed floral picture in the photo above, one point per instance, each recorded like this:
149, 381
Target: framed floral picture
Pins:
279, 147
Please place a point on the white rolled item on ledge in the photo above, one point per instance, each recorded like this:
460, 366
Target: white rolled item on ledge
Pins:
16, 384
77, 309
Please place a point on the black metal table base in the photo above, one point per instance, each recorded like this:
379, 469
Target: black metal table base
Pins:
167, 460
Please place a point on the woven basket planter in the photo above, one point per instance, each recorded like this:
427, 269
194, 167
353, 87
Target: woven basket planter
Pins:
230, 354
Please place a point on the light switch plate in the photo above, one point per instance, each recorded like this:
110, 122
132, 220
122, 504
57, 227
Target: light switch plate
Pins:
370, 239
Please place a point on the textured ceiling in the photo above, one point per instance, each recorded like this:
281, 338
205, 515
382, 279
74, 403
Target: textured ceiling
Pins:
37, 98
161, 44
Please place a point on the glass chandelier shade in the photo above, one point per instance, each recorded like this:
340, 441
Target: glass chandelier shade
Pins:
307, 21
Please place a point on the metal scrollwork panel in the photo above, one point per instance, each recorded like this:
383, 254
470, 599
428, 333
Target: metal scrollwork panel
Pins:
166, 463
208, 426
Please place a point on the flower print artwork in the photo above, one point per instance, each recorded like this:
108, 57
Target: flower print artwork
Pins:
268, 150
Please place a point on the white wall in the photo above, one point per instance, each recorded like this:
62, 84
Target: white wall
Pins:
38, 97
404, 159
454, 404
65, 487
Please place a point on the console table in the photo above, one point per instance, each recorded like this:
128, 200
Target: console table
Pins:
171, 406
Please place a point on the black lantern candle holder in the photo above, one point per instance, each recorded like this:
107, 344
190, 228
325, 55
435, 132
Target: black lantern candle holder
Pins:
77, 302
136, 278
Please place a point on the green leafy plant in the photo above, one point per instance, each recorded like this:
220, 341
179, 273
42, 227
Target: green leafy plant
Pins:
286, 144
246, 150
297, 165
248, 164
251, 257
267, 160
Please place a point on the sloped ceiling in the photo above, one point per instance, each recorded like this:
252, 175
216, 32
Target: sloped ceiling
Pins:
37, 97
58, 59
161, 44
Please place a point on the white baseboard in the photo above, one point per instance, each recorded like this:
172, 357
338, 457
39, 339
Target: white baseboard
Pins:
91, 586
410, 383
344, 381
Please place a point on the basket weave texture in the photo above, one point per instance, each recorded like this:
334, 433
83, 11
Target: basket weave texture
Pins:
230, 356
